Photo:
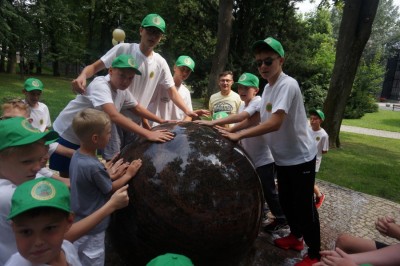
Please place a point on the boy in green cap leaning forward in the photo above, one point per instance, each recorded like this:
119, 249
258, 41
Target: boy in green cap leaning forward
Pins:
108, 94
256, 147
41, 215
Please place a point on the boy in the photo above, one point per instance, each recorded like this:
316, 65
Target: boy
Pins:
91, 185
21, 151
322, 140
110, 95
40, 114
256, 147
41, 215
22, 148
284, 121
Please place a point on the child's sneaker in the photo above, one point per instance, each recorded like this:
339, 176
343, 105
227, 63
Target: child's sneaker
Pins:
319, 200
289, 241
307, 261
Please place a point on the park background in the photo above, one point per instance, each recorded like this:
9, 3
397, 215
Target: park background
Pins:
56, 39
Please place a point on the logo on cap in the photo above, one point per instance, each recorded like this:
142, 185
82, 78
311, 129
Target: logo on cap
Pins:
157, 20
35, 83
131, 62
26, 125
243, 77
188, 61
43, 191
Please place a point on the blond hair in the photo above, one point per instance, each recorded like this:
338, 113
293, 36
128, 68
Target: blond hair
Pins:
88, 122
10, 106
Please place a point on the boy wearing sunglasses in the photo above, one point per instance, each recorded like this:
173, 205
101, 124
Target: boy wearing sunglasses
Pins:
284, 121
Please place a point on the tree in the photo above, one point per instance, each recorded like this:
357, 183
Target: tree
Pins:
355, 30
222, 48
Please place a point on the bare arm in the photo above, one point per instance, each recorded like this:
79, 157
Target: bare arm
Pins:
143, 112
118, 200
79, 84
65, 151
124, 122
227, 120
271, 125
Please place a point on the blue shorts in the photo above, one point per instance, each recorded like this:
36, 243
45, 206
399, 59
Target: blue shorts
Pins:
59, 162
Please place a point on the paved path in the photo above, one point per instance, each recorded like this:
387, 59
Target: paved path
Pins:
372, 132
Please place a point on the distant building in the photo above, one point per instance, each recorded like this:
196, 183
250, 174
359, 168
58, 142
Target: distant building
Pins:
391, 84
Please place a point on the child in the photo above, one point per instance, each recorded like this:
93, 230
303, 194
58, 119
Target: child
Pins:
41, 215
91, 185
284, 122
22, 148
40, 114
110, 95
322, 141
256, 147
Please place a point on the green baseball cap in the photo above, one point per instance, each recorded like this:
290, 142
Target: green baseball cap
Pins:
126, 61
154, 20
40, 192
33, 84
248, 80
318, 113
271, 42
219, 115
18, 131
185, 60
170, 259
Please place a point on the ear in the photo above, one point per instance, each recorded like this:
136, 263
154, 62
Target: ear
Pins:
110, 71
95, 138
70, 221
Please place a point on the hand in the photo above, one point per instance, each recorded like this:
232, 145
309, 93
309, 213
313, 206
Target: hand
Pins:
119, 199
134, 167
191, 114
227, 129
160, 135
335, 257
204, 122
118, 169
202, 112
79, 84
387, 227
232, 136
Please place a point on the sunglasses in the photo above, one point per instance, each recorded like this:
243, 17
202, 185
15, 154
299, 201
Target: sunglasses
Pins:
267, 61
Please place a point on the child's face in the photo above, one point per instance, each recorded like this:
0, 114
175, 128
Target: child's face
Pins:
23, 163
268, 64
104, 137
315, 121
32, 97
39, 238
183, 72
246, 93
120, 79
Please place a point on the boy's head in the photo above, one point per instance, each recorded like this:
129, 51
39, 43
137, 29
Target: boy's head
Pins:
33, 88
151, 31
92, 127
170, 259
22, 148
184, 65
15, 107
269, 57
247, 86
40, 214
122, 71
316, 118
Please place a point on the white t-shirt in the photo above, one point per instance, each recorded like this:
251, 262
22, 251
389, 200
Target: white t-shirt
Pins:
256, 147
155, 71
292, 144
40, 117
162, 105
98, 93
70, 255
7, 239
321, 138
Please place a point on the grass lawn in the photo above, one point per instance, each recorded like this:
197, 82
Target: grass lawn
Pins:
364, 163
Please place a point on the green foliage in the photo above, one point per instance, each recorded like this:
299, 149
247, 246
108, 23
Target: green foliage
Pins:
382, 120
367, 84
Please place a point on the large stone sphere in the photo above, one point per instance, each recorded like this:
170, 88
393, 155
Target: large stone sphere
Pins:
197, 195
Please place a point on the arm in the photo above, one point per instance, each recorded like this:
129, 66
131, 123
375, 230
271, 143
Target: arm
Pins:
227, 120
118, 200
178, 101
79, 84
124, 122
65, 151
271, 125
143, 112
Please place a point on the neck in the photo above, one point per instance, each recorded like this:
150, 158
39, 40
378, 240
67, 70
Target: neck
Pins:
272, 80
147, 51
225, 93
178, 81
316, 128
88, 150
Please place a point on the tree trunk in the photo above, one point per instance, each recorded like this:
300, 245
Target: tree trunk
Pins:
355, 30
220, 57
